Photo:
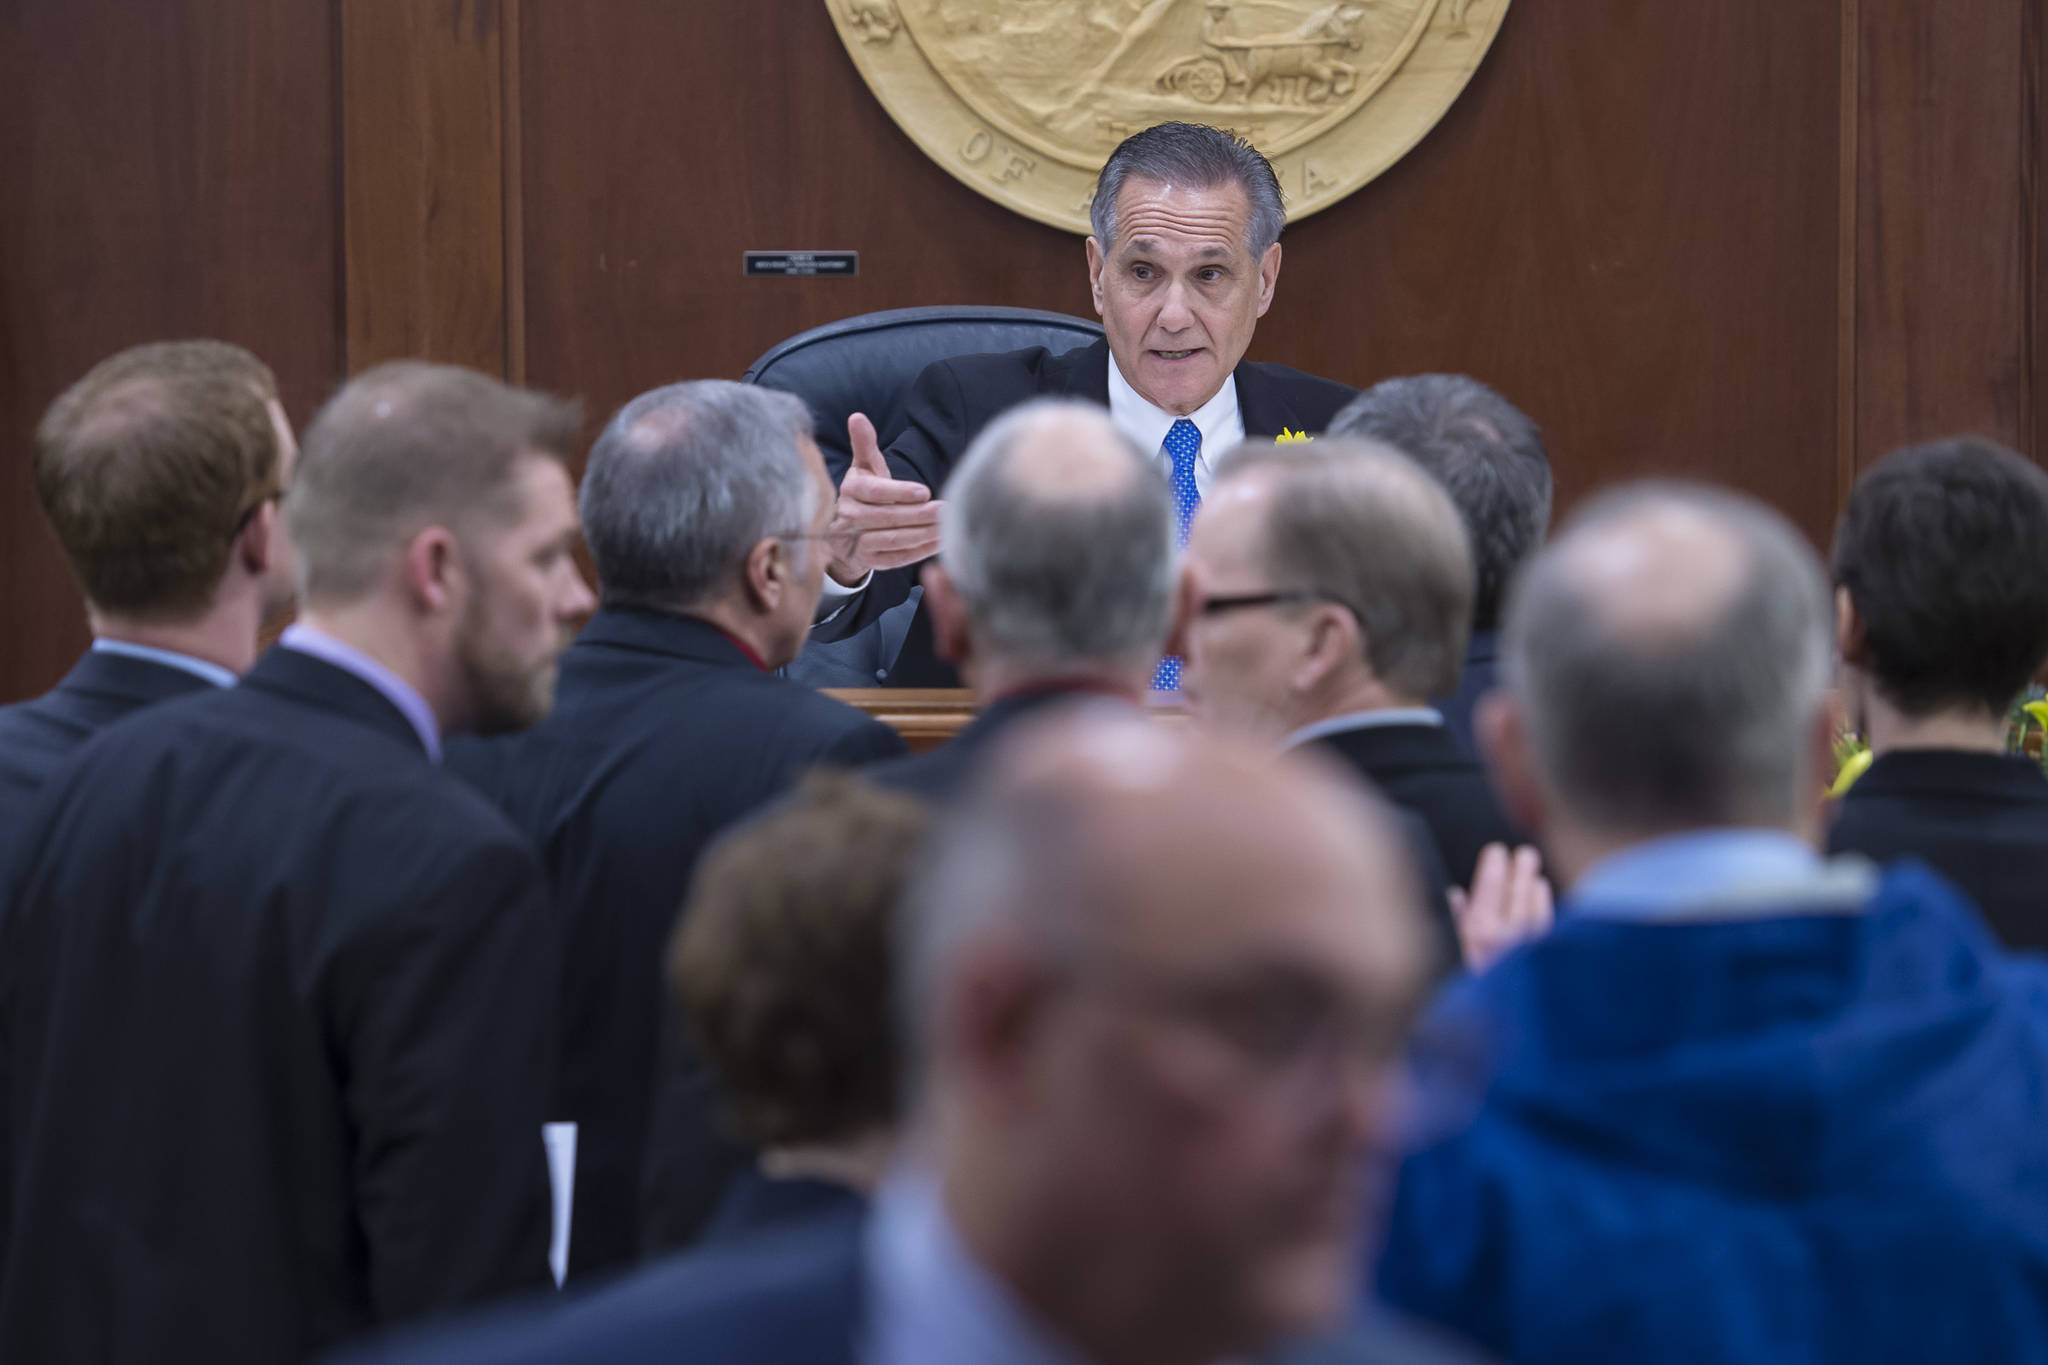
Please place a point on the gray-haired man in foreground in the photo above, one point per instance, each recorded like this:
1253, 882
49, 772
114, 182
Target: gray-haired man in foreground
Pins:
1155, 988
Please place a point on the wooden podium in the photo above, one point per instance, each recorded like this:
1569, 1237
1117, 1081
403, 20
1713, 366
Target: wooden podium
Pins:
926, 717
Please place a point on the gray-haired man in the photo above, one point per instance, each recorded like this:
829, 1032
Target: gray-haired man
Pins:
1058, 578
1745, 1103
705, 506
1490, 458
1183, 263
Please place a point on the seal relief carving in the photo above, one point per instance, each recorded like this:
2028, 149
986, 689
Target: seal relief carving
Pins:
1024, 99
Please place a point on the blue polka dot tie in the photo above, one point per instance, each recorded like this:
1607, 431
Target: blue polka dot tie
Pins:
1183, 445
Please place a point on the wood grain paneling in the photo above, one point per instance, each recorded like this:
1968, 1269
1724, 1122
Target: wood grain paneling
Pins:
422, 111
1941, 316
166, 169
1747, 240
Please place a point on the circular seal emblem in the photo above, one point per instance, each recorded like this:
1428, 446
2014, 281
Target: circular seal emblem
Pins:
1023, 100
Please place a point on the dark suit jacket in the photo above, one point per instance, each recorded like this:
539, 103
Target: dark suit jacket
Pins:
1480, 676
1981, 820
940, 774
274, 1035
954, 399
755, 1203
663, 734
1421, 768
792, 1296
36, 737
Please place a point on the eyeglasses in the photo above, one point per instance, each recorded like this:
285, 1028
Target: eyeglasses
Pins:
1216, 606
249, 513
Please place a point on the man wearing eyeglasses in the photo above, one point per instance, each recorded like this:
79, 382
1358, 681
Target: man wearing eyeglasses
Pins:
705, 506
160, 472
1331, 586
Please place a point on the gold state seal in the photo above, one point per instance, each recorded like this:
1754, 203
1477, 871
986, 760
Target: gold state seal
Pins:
1024, 99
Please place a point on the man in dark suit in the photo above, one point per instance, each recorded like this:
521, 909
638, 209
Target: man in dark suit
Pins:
1057, 579
160, 472
705, 506
1155, 987
1331, 586
1183, 263
1941, 599
275, 990
1490, 457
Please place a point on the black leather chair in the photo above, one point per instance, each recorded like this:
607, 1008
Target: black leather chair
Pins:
866, 364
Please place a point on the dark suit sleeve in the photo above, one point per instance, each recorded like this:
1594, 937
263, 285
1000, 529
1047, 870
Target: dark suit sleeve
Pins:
936, 427
446, 1022
867, 743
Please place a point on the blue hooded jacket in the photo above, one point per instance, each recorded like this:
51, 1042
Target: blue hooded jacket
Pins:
1792, 1138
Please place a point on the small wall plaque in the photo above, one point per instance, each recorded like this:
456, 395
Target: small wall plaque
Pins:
803, 262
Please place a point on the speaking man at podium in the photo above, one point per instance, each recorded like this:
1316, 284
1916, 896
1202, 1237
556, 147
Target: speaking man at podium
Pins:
1182, 264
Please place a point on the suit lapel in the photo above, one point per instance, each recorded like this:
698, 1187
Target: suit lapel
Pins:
1263, 405
1080, 373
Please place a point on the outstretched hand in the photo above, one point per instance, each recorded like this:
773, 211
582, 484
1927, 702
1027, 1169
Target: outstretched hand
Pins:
881, 522
1509, 903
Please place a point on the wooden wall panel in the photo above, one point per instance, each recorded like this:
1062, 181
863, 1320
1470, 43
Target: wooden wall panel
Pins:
166, 169
1748, 241
1945, 238
1607, 224
422, 112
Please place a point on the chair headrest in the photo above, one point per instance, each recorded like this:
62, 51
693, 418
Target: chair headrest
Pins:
867, 363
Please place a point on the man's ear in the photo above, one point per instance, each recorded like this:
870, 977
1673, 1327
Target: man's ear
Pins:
1269, 277
1095, 263
1850, 638
434, 572
952, 640
994, 1009
1502, 734
1187, 599
1334, 640
257, 548
767, 575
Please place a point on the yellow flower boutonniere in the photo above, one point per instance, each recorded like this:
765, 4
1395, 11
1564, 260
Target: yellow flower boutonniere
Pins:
1288, 438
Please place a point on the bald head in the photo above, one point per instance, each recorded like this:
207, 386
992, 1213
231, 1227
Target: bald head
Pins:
1161, 981
1669, 652
1058, 536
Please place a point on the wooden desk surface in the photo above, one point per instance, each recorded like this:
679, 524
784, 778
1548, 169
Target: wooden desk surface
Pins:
927, 717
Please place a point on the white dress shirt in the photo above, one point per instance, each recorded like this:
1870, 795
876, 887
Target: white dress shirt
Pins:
1219, 421
184, 663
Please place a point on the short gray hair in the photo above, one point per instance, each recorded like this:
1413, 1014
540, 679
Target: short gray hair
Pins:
1191, 154
686, 480
1052, 574
1360, 524
1481, 447
1648, 710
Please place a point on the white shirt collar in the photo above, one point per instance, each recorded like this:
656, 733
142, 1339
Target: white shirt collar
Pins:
198, 668
1364, 720
1219, 420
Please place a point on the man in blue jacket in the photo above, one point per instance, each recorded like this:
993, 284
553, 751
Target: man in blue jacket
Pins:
1744, 1104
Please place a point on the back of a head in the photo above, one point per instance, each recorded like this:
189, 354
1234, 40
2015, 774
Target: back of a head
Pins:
148, 466
685, 480
1059, 536
1191, 155
406, 446
1943, 548
782, 962
1484, 450
1360, 524
1670, 651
